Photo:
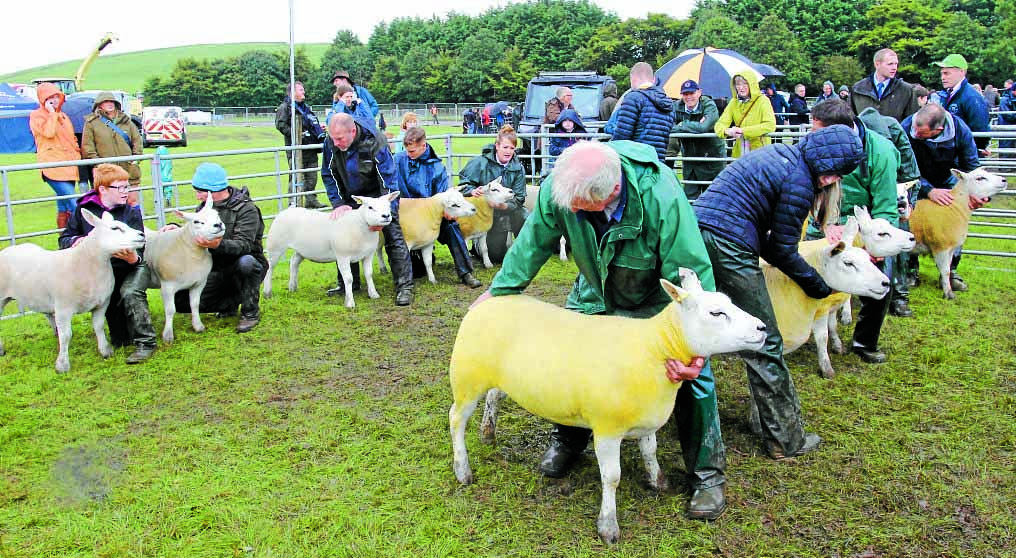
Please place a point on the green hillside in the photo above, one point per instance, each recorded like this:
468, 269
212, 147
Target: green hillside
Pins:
128, 71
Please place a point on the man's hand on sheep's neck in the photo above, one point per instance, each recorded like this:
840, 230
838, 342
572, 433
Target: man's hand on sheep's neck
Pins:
678, 371
207, 243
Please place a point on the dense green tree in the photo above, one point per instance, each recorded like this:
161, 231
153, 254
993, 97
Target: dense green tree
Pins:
999, 54
345, 53
841, 70
961, 35
511, 74
472, 72
904, 26
714, 29
657, 37
775, 44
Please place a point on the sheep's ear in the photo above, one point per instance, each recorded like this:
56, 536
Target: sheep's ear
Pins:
903, 187
107, 218
495, 182
862, 214
209, 202
850, 230
958, 174
392, 196
837, 248
358, 200
675, 292
689, 280
182, 215
90, 217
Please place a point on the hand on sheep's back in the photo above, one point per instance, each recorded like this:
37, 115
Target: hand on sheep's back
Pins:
678, 371
339, 212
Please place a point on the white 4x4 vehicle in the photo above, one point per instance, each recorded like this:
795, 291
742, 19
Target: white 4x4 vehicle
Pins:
164, 125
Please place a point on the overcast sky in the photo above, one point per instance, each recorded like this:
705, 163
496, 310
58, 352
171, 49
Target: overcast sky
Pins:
60, 30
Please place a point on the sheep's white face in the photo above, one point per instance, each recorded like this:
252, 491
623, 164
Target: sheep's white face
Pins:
113, 235
376, 212
494, 192
850, 270
455, 204
881, 239
206, 222
981, 183
710, 322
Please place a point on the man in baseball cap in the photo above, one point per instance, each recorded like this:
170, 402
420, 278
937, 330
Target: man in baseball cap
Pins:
696, 114
689, 86
960, 98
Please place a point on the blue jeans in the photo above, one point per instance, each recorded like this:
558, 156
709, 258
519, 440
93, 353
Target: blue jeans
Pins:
63, 188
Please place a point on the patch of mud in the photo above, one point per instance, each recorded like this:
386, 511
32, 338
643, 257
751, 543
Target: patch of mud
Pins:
88, 472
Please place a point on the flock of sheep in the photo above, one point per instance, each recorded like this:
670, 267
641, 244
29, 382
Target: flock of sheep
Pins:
635, 403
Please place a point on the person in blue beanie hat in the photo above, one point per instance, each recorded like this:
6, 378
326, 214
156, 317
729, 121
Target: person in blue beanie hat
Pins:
239, 265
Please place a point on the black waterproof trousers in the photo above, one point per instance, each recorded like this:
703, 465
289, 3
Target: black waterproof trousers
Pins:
127, 315
236, 285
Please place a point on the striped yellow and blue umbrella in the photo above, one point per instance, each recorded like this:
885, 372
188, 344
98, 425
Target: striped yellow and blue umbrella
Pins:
712, 68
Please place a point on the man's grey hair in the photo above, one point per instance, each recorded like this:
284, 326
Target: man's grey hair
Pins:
562, 91
881, 54
930, 116
341, 121
588, 170
641, 73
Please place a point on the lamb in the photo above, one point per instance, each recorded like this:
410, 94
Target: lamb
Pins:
421, 222
600, 372
314, 236
942, 229
63, 283
846, 269
475, 227
176, 263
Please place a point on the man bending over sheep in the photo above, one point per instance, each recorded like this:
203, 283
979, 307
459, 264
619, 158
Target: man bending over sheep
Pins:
756, 208
356, 162
420, 173
239, 264
127, 315
629, 224
941, 142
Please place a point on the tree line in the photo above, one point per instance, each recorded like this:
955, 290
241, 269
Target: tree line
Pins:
461, 58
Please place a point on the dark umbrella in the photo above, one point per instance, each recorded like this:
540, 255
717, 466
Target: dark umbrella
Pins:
712, 68
78, 106
767, 70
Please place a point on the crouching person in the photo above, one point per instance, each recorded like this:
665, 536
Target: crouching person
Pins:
629, 225
356, 162
420, 173
239, 265
127, 315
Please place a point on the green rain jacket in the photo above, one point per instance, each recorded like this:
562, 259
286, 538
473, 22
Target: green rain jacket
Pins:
657, 235
481, 170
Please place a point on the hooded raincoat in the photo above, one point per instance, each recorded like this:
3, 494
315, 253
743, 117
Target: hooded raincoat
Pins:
99, 139
753, 115
54, 135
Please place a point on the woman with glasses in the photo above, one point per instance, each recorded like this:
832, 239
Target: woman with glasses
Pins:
128, 317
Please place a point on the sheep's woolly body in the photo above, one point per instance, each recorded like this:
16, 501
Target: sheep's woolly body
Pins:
942, 227
480, 223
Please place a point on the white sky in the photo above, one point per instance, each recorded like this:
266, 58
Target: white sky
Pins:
60, 30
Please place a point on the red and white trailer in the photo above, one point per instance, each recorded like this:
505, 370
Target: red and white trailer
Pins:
164, 126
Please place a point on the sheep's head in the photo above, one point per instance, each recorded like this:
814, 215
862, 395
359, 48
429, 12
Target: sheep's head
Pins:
710, 322
206, 222
112, 235
496, 193
455, 204
879, 237
376, 212
980, 183
848, 269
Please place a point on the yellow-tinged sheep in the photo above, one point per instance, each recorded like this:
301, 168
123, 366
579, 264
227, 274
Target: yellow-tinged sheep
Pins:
420, 220
942, 229
475, 227
599, 372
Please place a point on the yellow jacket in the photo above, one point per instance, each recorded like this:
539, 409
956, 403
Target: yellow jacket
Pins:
754, 116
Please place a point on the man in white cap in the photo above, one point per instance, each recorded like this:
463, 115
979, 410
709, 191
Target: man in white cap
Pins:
960, 98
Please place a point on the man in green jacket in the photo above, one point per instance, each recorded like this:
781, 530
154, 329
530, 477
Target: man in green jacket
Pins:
109, 132
871, 185
629, 225
697, 114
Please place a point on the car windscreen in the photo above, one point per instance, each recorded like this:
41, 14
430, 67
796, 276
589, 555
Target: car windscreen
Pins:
586, 100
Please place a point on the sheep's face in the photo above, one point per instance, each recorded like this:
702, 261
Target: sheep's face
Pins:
113, 235
455, 204
206, 222
981, 183
376, 212
880, 238
849, 270
494, 192
710, 322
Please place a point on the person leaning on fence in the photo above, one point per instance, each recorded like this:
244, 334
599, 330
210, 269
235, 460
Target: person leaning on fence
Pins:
308, 132
569, 122
357, 162
756, 209
55, 141
646, 113
798, 106
420, 173
748, 118
827, 92
345, 101
499, 159
469, 121
109, 132
239, 265
697, 114
128, 316
1007, 117
561, 100
779, 104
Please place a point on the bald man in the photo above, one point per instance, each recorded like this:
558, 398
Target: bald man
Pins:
629, 225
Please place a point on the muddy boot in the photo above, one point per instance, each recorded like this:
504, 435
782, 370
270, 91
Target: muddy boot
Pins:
139, 318
141, 353
62, 218
251, 275
566, 446
340, 289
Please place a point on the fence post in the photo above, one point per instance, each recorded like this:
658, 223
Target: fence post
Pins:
448, 151
157, 193
7, 206
278, 181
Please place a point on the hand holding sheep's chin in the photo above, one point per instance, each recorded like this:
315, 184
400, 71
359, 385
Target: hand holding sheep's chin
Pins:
339, 212
127, 255
977, 203
206, 242
941, 196
678, 371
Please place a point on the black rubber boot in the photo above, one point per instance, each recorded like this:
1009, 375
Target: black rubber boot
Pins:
398, 261
250, 277
340, 288
566, 446
134, 297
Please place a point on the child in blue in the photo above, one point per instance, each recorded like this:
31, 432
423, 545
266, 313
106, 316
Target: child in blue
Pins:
569, 122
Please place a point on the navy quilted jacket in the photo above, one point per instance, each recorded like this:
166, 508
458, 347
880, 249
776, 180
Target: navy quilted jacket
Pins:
646, 116
761, 200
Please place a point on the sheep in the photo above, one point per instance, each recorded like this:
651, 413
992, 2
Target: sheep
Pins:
531, 193
421, 222
942, 229
475, 227
846, 269
316, 237
176, 263
63, 283
606, 373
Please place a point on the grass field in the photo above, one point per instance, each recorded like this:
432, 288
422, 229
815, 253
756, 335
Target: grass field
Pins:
324, 433
128, 71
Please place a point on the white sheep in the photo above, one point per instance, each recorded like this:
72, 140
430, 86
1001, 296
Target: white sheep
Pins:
475, 227
63, 283
314, 236
420, 219
848, 270
606, 373
176, 262
942, 229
